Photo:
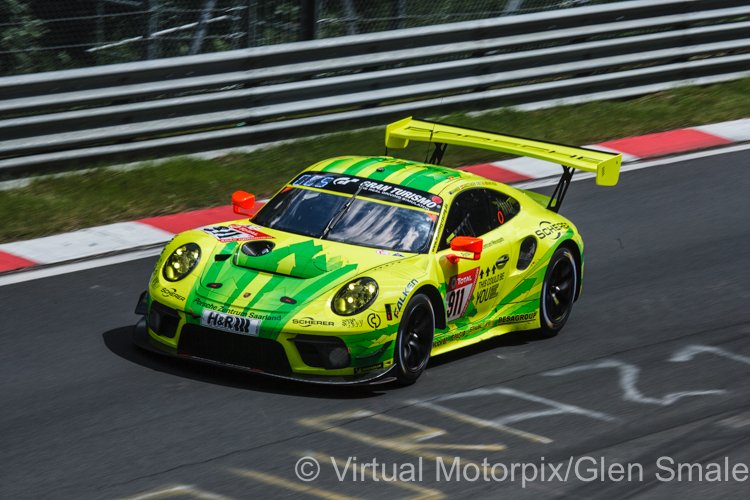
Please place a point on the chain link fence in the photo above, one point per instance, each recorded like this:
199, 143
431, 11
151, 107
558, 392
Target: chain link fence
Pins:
45, 35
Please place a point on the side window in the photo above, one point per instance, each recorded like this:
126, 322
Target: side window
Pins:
468, 215
502, 208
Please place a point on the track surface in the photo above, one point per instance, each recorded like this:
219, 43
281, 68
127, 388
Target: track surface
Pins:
654, 362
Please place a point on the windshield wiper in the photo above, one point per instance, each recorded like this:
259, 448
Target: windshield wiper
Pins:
338, 215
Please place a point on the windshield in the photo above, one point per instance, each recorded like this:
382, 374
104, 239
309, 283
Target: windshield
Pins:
364, 222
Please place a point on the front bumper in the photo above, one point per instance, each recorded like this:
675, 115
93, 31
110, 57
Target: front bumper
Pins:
260, 360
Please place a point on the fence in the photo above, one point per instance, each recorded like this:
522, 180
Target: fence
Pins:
190, 104
44, 35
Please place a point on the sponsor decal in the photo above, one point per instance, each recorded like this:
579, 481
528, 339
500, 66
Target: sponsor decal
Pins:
230, 310
490, 244
308, 321
172, 292
343, 181
460, 290
516, 318
236, 232
388, 313
402, 300
371, 189
373, 321
230, 323
313, 180
369, 368
352, 323
554, 231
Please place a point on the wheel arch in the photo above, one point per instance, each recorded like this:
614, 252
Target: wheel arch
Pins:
573, 247
438, 306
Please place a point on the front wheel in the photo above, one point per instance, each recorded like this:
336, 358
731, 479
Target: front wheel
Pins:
558, 291
414, 341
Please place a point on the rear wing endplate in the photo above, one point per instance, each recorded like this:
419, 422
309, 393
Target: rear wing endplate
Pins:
606, 166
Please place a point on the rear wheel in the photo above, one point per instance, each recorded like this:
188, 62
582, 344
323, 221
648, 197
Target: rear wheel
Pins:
558, 291
414, 341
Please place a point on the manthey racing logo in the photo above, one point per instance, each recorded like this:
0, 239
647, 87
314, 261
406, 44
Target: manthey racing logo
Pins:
549, 230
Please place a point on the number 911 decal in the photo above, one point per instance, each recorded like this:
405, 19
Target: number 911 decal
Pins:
460, 289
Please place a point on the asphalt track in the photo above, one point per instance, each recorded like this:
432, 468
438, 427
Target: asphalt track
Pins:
653, 363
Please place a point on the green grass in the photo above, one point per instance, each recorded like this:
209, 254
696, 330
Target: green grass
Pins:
55, 205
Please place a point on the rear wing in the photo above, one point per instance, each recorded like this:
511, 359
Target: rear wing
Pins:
605, 166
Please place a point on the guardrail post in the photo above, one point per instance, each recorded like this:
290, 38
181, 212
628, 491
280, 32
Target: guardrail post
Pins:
307, 19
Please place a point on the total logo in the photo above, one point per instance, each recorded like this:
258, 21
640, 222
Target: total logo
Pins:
546, 229
308, 321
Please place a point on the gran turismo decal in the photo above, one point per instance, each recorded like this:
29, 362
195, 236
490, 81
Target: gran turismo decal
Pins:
236, 232
402, 300
308, 321
547, 229
230, 323
460, 289
370, 189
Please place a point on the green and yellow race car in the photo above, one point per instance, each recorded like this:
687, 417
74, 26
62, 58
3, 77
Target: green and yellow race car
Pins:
361, 268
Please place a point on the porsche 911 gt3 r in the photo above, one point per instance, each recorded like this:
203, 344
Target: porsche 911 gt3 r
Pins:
361, 268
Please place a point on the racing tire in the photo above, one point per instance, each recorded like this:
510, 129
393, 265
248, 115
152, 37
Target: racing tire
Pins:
558, 291
414, 340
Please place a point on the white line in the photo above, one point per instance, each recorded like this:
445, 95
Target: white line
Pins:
46, 272
639, 165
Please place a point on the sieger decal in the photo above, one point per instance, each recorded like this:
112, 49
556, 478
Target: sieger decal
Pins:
171, 292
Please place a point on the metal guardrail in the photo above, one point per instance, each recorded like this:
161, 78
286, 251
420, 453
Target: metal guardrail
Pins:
127, 112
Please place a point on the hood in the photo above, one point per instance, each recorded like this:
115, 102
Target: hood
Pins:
268, 270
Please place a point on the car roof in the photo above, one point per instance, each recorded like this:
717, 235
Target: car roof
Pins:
415, 175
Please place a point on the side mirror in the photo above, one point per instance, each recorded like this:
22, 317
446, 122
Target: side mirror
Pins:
465, 247
243, 203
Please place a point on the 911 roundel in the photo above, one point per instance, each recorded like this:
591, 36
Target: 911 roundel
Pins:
359, 269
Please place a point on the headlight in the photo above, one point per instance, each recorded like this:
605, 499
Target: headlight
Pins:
181, 262
355, 296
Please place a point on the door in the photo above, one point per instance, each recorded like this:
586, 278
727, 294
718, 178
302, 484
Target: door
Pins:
473, 286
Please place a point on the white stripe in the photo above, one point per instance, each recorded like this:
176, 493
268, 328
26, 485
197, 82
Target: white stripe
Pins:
737, 130
626, 158
46, 272
529, 167
88, 242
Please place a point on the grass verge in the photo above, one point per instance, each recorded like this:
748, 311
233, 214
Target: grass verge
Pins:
55, 205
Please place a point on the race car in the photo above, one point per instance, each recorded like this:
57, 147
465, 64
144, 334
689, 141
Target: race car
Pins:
359, 269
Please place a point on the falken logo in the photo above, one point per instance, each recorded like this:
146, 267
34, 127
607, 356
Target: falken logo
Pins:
546, 228
230, 323
308, 321
401, 300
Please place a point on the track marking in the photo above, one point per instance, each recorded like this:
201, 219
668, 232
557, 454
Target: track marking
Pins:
687, 353
628, 380
285, 483
179, 490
